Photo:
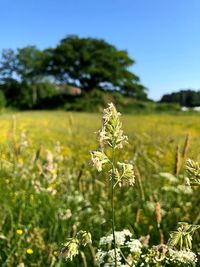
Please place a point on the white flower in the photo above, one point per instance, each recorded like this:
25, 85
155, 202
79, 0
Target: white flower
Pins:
183, 256
126, 232
100, 255
134, 245
111, 254
120, 238
106, 240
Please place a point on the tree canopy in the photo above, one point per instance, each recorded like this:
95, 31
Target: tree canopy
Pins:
187, 98
92, 63
88, 63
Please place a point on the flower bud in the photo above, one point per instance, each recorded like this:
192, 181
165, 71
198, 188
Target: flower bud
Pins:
111, 132
84, 237
126, 174
98, 159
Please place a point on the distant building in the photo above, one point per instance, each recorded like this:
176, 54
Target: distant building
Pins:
197, 108
194, 108
69, 90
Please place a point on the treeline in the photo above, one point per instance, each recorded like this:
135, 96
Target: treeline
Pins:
67, 75
186, 98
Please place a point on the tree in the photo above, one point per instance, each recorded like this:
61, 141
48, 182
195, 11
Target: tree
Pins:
88, 63
22, 76
8, 64
188, 98
92, 63
30, 67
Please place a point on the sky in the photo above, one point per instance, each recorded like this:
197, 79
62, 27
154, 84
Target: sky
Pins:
162, 36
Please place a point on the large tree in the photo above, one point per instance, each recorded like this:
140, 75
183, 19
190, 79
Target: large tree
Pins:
8, 64
22, 74
93, 63
30, 67
88, 63
25, 66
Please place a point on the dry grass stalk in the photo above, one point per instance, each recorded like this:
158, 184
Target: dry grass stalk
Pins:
177, 161
158, 214
186, 145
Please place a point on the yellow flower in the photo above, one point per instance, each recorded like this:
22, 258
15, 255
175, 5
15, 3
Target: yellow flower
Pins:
29, 251
54, 171
20, 160
3, 156
55, 253
19, 231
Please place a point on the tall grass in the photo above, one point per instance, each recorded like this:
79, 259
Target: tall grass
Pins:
49, 191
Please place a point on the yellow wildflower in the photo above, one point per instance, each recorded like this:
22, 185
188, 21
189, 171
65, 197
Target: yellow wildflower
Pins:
3, 156
19, 231
29, 251
20, 160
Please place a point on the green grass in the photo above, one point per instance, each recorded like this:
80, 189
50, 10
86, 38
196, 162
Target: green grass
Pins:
50, 206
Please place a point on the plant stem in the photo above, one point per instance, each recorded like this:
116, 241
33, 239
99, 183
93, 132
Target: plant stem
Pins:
122, 254
112, 203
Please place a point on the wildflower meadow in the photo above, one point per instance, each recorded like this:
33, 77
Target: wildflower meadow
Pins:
101, 189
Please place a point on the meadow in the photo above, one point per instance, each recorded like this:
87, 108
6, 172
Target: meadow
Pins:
49, 189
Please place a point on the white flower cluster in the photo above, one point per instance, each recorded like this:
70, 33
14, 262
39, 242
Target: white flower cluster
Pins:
163, 255
134, 245
182, 256
120, 238
110, 258
124, 242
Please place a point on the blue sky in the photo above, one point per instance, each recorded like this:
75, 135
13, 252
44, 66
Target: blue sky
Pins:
163, 36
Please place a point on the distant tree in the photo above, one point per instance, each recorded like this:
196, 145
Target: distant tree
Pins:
188, 98
92, 63
24, 70
30, 68
30, 74
16, 93
29, 63
8, 64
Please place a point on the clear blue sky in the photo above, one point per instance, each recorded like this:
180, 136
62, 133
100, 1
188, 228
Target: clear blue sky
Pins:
163, 36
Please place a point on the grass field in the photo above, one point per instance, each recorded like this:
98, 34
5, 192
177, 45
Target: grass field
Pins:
49, 190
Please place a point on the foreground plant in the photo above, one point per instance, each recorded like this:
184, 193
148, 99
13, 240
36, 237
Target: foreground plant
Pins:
128, 249
182, 238
193, 171
72, 247
164, 256
111, 137
119, 248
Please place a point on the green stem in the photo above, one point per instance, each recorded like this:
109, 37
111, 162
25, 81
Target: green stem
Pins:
12, 251
112, 203
122, 254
